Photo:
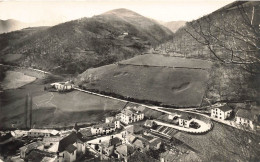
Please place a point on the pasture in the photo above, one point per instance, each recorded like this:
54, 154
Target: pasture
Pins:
179, 87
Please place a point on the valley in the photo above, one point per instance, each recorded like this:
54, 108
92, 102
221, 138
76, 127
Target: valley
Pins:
119, 86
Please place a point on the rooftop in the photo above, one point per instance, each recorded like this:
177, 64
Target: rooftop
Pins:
70, 139
71, 148
244, 113
185, 117
104, 125
125, 150
32, 145
38, 155
51, 131
225, 108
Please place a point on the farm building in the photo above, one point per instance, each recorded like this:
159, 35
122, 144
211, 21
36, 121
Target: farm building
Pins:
222, 112
62, 86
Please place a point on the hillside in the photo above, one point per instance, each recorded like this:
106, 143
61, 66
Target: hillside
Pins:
172, 82
11, 25
88, 42
229, 37
174, 25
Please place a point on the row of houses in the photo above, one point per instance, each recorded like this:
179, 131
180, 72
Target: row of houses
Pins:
243, 117
55, 148
122, 147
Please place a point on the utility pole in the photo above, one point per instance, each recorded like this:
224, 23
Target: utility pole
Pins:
26, 111
30, 98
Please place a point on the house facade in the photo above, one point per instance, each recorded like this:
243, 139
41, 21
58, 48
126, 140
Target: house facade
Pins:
222, 112
129, 115
42, 133
184, 121
245, 118
71, 146
104, 128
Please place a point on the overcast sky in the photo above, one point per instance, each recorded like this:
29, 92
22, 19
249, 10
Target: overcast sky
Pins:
52, 12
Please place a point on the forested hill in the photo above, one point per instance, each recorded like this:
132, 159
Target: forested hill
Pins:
229, 37
74, 46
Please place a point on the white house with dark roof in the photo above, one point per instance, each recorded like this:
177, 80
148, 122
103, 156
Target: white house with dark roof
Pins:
104, 128
61, 86
222, 112
70, 146
246, 118
184, 121
42, 132
129, 115
113, 120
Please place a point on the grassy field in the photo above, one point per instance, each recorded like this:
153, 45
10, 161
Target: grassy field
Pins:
223, 143
53, 109
14, 79
160, 60
178, 87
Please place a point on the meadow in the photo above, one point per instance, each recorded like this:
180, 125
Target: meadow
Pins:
178, 87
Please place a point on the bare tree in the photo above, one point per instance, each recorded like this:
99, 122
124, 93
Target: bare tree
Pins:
231, 34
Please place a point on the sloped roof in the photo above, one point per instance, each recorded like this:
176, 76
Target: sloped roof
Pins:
148, 123
244, 113
155, 141
32, 146
115, 141
51, 131
125, 150
71, 148
104, 125
130, 138
38, 155
185, 117
138, 143
225, 108
68, 140
110, 119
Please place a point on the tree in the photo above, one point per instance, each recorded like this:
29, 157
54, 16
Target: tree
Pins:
231, 34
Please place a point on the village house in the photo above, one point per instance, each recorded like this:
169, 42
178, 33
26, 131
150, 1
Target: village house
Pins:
130, 138
107, 147
70, 146
42, 133
40, 156
155, 143
124, 151
149, 123
184, 121
104, 128
113, 120
129, 115
62, 86
141, 145
247, 118
173, 116
25, 150
222, 112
